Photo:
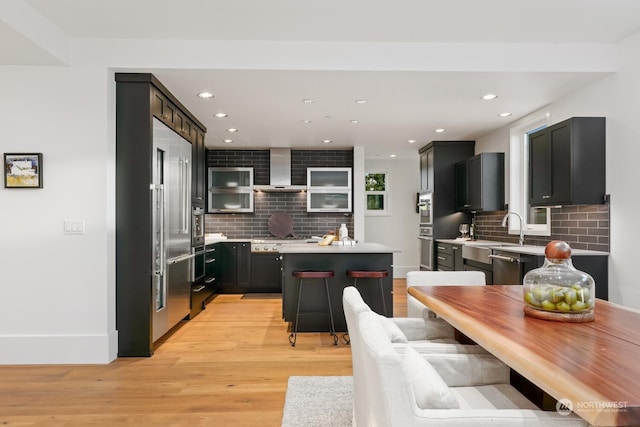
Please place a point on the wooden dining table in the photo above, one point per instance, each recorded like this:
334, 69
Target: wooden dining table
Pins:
592, 368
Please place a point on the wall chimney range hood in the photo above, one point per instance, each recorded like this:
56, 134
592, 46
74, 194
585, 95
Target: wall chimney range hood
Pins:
280, 173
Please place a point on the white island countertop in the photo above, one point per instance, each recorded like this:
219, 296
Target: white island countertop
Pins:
314, 248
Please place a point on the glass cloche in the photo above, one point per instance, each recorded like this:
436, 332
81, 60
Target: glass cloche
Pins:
557, 287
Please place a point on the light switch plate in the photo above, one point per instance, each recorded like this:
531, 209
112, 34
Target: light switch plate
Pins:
74, 227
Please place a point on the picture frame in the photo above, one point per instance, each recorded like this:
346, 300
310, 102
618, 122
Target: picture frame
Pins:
377, 193
22, 170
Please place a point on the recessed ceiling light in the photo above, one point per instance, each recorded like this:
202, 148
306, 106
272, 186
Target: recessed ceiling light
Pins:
504, 114
440, 130
308, 101
232, 130
411, 141
306, 122
228, 141
205, 95
489, 96
361, 101
220, 115
327, 141
354, 121
392, 155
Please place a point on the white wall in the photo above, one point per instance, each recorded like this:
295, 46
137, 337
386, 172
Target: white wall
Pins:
400, 229
616, 97
57, 293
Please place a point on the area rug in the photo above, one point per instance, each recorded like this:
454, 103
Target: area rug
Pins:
318, 402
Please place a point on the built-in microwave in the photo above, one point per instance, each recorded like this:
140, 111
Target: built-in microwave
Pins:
197, 226
425, 207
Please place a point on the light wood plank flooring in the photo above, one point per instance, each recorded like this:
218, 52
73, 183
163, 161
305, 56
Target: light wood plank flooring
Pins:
227, 367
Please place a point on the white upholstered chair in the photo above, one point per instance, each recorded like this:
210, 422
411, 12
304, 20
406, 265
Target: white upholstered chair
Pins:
440, 278
425, 335
413, 390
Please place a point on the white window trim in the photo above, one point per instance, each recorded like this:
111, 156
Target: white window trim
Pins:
386, 195
519, 175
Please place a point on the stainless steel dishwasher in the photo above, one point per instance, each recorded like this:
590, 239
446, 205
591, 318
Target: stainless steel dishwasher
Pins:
510, 267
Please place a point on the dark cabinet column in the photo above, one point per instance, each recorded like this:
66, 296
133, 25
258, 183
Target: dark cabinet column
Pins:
139, 98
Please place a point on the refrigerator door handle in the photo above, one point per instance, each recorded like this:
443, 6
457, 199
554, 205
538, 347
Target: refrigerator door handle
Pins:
186, 188
180, 258
160, 256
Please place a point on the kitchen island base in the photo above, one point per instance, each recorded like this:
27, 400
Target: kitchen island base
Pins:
339, 260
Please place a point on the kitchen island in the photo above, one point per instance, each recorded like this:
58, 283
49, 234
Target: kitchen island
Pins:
339, 258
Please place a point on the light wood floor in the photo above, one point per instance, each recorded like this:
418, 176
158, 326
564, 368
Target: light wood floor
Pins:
227, 367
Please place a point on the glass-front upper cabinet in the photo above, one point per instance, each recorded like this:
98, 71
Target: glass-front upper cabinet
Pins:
230, 190
329, 190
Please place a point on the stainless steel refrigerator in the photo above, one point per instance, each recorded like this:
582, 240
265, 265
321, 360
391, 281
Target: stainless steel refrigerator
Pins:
171, 254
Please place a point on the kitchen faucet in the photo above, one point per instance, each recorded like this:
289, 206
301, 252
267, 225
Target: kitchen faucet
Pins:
504, 224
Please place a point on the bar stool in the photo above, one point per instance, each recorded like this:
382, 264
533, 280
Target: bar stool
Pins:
312, 274
370, 274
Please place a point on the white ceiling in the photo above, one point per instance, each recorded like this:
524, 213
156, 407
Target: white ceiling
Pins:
405, 102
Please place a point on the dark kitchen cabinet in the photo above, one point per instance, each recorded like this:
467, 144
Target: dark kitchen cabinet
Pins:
567, 163
426, 170
212, 262
198, 170
139, 98
448, 257
236, 267
439, 159
480, 183
266, 272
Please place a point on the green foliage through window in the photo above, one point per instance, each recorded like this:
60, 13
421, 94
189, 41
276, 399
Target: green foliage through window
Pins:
375, 182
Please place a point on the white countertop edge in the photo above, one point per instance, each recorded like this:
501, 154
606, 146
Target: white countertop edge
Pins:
511, 247
212, 240
309, 248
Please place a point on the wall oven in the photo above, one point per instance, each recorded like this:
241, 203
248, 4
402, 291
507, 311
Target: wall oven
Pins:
197, 226
425, 207
426, 247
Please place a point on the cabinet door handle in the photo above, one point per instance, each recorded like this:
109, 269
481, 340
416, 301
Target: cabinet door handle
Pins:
199, 288
442, 258
440, 247
210, 280
209, 261
546, 197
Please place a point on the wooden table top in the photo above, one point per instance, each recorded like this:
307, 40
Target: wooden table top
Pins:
595, 365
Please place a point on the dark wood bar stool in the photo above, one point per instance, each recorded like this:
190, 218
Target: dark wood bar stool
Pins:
370, 274
310, 274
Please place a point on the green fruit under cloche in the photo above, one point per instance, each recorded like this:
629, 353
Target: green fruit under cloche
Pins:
558, 286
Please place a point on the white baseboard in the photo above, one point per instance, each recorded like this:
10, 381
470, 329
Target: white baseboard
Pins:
58, 349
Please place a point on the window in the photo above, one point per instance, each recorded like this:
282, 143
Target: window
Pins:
537, 221
376, 185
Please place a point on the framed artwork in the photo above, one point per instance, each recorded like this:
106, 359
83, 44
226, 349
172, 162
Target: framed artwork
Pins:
376, 186
23, 170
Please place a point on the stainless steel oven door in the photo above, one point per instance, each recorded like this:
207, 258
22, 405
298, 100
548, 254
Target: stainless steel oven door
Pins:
426, 252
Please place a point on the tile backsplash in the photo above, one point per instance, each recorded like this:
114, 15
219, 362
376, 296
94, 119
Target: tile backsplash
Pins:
582, 227
256, 224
